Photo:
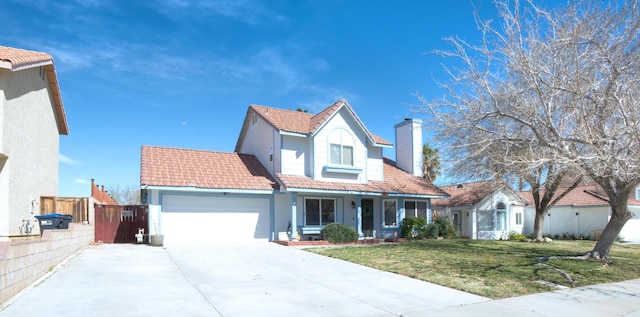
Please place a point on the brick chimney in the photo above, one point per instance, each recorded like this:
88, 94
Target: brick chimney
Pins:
409, 146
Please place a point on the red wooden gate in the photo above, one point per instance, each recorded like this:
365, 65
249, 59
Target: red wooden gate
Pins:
119, 224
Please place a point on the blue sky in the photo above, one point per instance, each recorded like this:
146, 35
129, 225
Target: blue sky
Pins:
182, 73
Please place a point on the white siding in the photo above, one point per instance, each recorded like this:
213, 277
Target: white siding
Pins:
294, 155
341, 120
409, 146
30, 139
206, 219
375, 165
257, 139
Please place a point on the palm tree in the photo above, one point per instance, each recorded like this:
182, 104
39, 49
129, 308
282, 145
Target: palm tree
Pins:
430, 163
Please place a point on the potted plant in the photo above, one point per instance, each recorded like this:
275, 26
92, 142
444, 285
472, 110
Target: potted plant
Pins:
156, 239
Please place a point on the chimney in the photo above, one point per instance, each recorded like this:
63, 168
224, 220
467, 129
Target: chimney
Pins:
409, 146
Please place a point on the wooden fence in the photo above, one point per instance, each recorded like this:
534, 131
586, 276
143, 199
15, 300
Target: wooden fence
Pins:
77, 207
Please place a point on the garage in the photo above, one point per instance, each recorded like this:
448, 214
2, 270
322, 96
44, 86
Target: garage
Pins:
214, 219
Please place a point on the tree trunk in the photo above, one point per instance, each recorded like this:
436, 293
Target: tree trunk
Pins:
538, 224
619, 216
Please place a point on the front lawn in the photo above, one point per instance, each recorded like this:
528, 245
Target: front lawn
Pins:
494, 269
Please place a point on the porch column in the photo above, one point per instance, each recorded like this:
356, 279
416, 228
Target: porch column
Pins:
429, 215
294, 214
359, 215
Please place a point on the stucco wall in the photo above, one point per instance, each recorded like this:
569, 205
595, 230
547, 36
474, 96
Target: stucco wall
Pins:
30, 139
563, 219
24, 262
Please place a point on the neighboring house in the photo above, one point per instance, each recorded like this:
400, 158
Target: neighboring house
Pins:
291, 174
582, 212
486, 210
32, 118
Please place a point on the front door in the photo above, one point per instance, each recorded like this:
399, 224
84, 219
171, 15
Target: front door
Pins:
367, 217
457, 223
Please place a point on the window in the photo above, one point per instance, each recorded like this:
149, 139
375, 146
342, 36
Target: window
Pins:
319, 212
341, 148
518, 219
390, 213
341, 154
415, 209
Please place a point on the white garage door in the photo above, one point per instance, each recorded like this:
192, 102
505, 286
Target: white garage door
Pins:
201, 219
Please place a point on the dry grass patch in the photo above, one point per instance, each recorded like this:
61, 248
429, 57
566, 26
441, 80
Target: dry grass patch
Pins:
495, 269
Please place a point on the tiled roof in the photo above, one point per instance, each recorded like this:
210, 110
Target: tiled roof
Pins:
174, 167
17, 59
588, 195
467, 194
305, 123
396, 181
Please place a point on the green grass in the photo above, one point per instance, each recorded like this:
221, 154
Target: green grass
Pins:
494, 269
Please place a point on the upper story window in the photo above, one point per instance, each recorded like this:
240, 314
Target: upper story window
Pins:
341, 145
341, 154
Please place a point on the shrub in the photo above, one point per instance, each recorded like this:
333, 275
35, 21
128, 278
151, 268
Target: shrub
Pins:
431, 231
446, 228
517, 236
338, 233
413, 228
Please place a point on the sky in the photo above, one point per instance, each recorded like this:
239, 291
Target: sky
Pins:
182, 73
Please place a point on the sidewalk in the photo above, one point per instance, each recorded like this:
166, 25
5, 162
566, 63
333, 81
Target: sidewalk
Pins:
614, 299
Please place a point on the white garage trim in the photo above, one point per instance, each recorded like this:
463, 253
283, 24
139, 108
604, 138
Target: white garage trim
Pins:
198, 218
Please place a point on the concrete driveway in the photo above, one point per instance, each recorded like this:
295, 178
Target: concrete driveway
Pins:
262, 279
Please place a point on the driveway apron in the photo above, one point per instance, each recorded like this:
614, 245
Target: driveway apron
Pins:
256, 279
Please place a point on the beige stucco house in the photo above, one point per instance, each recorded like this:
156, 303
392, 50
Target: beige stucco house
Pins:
32, 118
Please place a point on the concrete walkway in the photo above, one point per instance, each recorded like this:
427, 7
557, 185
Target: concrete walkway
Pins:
266, 279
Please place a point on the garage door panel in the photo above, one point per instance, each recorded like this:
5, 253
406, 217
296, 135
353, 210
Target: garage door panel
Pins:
202, 219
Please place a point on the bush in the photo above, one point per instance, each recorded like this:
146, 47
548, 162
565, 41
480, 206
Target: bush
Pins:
517, 236
446, 228
413, 228
431, 231
338, 233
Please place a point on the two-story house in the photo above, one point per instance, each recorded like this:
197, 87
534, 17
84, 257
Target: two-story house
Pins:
291, 174
32, 118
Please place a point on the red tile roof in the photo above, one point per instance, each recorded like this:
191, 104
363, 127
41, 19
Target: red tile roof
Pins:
303, 122
17, 59
467, 194
174, 167
396, 181
587, 195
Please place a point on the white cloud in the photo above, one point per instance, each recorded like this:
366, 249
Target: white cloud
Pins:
81, 181
66, 160
246, 11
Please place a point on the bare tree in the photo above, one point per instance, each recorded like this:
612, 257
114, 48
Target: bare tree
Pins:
551, 88
125, 196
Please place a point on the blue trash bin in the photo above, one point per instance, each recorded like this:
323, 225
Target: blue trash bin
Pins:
54, 221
